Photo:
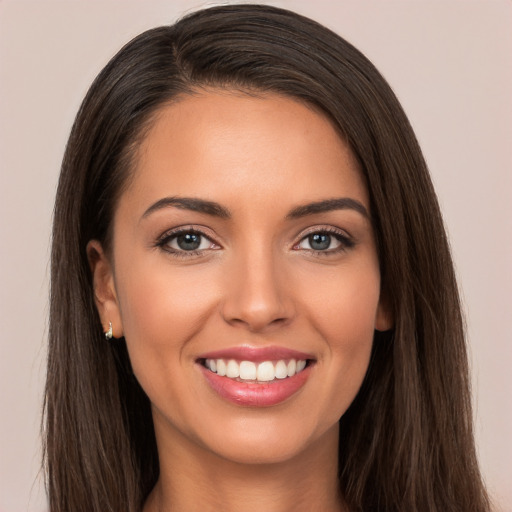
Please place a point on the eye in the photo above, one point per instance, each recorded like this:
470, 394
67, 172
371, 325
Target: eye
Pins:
319, 242
186, 242
325, 241
189, 242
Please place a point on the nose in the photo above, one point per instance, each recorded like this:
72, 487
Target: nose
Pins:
257, 296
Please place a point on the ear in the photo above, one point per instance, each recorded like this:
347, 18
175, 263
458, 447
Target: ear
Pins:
105, 295
384, 319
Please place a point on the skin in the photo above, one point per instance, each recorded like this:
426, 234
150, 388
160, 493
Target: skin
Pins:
256, 281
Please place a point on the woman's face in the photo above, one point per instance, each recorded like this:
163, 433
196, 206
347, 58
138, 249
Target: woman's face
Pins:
243, 245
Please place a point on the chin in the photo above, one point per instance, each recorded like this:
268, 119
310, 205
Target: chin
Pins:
257, 443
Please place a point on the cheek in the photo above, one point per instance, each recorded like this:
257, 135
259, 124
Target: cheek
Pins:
343, 303
349, 323
161, 311
343, 314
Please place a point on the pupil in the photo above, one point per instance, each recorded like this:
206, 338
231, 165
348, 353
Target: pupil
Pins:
319, 241
189, 241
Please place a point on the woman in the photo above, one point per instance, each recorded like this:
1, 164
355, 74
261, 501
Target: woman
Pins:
244, 213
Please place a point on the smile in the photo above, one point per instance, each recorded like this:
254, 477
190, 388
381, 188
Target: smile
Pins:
249, 371
256, 376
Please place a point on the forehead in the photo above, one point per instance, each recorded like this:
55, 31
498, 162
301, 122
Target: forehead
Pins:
222, 145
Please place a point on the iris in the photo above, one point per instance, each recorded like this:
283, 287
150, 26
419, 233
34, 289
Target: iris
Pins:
189, 241
319, 241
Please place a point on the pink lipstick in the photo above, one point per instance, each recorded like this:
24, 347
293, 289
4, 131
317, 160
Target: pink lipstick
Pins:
257, 377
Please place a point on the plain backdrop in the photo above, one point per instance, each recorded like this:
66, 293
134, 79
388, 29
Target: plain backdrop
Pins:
449, 62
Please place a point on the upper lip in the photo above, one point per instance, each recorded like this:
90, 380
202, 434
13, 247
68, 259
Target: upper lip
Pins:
256, 354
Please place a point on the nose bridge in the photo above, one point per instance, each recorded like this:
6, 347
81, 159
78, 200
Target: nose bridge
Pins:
256, 296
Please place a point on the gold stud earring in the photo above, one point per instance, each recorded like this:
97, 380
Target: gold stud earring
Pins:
108, 334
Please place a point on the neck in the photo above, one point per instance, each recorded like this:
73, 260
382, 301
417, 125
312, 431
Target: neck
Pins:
194, 479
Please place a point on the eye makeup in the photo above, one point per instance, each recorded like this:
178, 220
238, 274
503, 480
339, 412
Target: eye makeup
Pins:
185, 242
325, 241
191, 241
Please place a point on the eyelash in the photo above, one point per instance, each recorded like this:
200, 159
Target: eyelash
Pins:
346, 242
168, 236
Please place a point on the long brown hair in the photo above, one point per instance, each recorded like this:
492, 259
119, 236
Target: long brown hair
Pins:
406, 442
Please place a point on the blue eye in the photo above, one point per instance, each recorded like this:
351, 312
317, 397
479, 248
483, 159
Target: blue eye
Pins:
319, 241
186, 241
325, 241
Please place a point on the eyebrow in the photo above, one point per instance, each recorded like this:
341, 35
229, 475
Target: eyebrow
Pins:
216, 210
190, 203
327, 205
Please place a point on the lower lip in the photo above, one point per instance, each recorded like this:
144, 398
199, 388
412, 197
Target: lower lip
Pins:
252, 394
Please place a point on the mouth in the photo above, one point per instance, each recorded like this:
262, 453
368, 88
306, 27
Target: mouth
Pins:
256, 372
257, 377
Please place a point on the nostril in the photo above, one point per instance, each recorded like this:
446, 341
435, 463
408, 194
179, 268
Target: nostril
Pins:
256, 305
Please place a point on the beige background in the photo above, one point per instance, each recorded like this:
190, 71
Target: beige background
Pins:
449, 62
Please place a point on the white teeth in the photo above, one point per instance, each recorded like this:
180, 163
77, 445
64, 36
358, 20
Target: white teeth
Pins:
300, 366
292, 365
232, 369
281, 370
247, 370
221, 367
265, 371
